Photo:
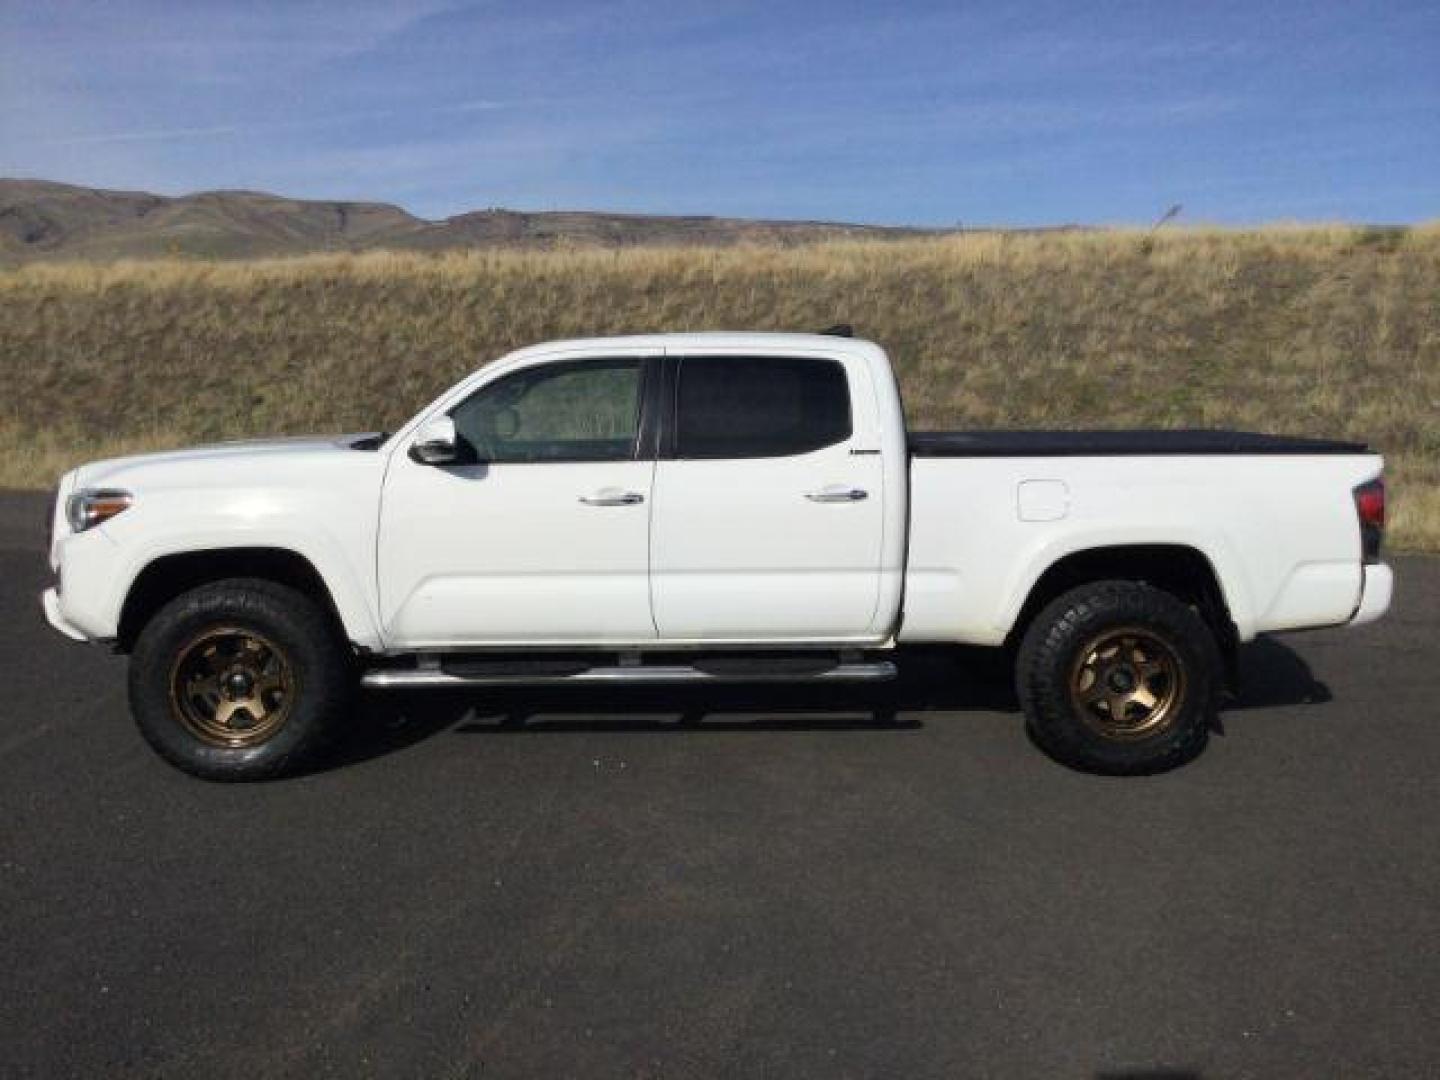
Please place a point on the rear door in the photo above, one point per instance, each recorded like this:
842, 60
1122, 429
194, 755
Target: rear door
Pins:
768, 502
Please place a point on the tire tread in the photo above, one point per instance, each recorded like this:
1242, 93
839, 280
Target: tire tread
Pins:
1042, 674
301, 624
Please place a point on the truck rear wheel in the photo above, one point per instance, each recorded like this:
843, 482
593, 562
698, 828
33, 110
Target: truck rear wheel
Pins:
1119, 677
240, 679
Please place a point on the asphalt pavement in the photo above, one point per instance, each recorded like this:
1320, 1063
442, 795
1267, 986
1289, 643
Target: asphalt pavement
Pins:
871, 882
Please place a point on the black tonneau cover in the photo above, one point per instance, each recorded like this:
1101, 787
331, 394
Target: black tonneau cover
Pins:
1115, 443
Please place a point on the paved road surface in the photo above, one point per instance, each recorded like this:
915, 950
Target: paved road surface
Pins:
887, 882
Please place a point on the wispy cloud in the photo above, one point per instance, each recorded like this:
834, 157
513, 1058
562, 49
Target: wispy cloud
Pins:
154, 135
181, 134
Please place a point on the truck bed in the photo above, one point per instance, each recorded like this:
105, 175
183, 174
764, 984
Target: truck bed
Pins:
1117, 443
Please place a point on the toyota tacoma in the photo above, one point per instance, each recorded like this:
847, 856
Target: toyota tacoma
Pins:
702, 508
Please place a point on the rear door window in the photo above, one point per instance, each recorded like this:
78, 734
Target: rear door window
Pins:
760, 406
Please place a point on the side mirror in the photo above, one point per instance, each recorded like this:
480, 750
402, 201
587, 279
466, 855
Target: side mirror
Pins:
435, 443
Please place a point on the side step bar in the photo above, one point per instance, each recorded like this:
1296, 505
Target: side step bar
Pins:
433, 675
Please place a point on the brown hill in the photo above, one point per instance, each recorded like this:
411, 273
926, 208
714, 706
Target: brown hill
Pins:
42, 220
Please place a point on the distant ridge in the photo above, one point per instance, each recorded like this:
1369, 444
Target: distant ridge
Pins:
40, 220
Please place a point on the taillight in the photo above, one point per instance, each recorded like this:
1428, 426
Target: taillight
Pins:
1370, 509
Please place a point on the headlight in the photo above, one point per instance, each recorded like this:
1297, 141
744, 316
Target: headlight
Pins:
89, 507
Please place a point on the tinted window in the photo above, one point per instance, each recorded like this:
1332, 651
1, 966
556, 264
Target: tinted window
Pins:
583, 411
744, 406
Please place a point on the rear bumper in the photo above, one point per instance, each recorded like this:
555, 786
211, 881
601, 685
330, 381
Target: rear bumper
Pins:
50, 599
1375, 592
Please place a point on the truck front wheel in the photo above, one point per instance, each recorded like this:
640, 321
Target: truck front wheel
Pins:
1119, 677
240, 679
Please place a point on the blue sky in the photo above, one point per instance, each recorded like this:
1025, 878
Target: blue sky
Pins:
905, 112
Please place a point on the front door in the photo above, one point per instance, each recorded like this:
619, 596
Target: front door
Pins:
767, 527
542, 536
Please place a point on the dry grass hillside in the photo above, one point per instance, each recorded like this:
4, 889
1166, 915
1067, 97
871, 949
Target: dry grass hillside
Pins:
1326, 331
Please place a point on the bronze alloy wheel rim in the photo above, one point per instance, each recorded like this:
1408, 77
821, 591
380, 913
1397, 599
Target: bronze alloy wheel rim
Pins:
232, 687
1127, 683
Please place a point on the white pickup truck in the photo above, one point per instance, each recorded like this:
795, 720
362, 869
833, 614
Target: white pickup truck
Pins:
698, 508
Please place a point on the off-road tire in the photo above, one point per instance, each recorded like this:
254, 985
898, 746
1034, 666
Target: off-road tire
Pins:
287, 621
1050, 668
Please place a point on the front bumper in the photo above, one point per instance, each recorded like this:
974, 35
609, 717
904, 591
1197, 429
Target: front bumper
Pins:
50, 599
1376, 589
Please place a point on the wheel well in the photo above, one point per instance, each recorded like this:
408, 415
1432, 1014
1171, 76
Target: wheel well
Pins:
167, 577
1181, 571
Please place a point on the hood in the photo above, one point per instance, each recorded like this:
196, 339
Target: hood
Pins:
226, 456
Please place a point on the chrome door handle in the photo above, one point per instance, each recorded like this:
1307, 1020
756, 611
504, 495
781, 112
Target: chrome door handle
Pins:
837, 493
612, 497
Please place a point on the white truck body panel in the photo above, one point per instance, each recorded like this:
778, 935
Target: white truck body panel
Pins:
1279, 532
940, 549
740, 555
314, 497
495, 554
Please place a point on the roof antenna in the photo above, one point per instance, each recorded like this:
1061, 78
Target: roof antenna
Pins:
843, 329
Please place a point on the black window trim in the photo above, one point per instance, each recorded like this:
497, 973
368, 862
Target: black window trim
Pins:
647, 430
668, 394
668, 387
